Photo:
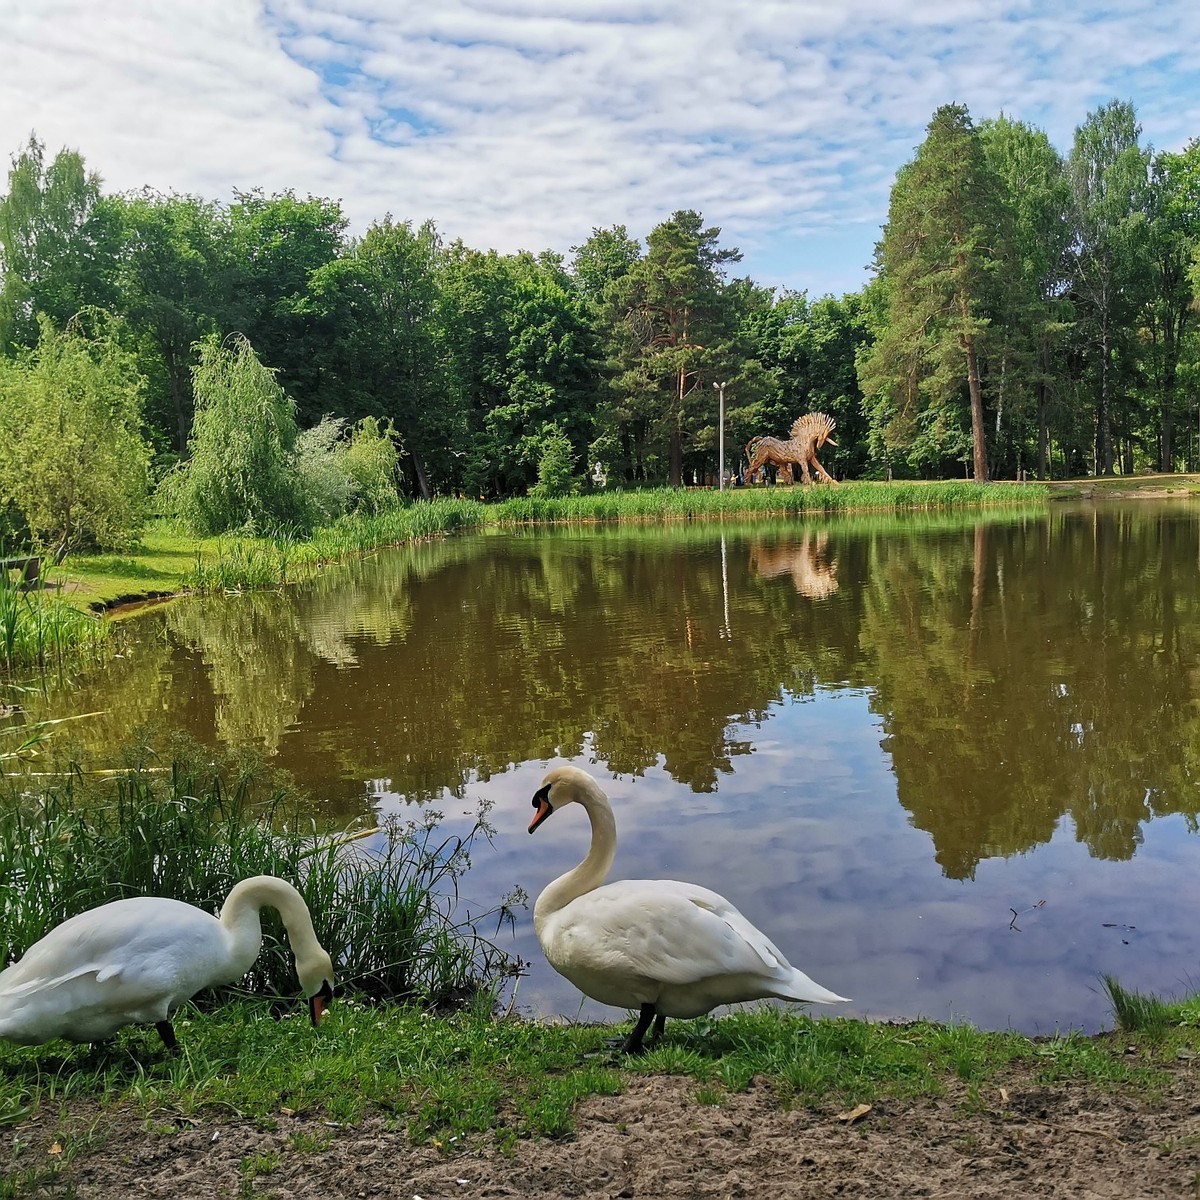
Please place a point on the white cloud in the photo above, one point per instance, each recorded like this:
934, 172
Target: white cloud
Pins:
522, 124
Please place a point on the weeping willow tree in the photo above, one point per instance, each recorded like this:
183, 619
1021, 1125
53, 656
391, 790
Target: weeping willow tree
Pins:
240, 474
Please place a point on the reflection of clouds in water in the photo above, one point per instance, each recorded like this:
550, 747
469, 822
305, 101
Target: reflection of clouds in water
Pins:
808, 840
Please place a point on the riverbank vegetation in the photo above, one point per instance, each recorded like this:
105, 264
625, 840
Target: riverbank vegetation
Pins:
384, 899
168, 561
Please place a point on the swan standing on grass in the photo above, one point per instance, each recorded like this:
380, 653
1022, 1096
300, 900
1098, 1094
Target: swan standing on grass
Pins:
134, 961
666, 948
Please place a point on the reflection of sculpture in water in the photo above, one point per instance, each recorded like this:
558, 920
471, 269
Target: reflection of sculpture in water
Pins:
809, 433
813, 573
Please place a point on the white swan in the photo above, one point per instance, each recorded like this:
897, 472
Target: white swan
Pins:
134, 961
666, 948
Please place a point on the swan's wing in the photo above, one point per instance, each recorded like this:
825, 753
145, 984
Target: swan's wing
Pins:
675, 933
117, 944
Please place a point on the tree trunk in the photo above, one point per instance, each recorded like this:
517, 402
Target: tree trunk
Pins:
978, 441
1104, 450
422, 478
677, 433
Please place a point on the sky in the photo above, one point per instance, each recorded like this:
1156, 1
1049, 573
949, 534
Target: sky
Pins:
525, 124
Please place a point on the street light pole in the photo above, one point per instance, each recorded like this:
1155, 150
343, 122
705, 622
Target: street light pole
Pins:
721, 434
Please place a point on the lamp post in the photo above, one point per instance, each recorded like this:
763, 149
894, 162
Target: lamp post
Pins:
721, 433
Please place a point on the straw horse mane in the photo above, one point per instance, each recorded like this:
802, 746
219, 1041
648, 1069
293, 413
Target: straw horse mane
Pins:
809, 432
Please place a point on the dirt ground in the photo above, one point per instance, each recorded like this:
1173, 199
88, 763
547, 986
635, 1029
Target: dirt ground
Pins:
1016, 1137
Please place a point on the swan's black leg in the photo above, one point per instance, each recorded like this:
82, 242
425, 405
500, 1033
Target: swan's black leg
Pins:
633, 1043
660, 1023
167, 1033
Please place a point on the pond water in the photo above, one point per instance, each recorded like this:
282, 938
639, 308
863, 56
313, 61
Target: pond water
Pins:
948, 763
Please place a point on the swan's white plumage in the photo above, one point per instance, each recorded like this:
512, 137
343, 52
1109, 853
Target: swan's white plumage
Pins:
133, 961
678, 947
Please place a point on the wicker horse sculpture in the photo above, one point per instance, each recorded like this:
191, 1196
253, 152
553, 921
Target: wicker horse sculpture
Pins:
809, 433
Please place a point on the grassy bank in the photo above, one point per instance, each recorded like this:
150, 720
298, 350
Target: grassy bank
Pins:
168, 562
450, 1081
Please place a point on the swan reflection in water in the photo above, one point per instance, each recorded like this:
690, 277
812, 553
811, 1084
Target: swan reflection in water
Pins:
812, 568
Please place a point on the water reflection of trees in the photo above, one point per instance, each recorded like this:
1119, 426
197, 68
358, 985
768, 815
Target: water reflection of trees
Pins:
1034, 673
1024, 669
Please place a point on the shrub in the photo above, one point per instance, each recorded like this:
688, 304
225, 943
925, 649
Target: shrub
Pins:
556, 466
74, 468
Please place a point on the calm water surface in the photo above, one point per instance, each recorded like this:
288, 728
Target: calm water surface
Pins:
878, 736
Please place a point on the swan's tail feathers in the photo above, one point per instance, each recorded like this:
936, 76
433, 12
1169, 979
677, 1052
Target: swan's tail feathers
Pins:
800, 987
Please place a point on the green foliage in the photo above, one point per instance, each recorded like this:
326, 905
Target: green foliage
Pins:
240, 475
40, 631
944, 237
48, 243
556, 466
371, 459
673, 328
73, 462
325, 484
388, 358
1109, 183
1136, 1012
1027, 313
174, 282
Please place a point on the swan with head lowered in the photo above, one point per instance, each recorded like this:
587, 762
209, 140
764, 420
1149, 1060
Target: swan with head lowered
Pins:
665, 948
134, 961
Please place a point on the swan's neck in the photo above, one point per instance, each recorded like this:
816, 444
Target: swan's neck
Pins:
595, 867
241, 918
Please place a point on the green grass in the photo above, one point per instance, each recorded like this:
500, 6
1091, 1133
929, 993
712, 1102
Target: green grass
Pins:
40, 632
447, 1080
1138, 1012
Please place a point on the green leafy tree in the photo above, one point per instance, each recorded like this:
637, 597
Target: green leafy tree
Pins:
939, 252
175, 286
1109, 182
381, 299
73, 462
240, 475
674, 329
1170, 314
608, 255
276, 244
812, 347
371, 459
49, 235
1032, 312
551, 377
519, 354
557, 470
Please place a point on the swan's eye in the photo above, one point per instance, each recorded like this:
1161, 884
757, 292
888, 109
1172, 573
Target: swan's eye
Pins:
543, 793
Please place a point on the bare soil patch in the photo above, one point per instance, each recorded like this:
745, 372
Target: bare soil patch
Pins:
1013, 1137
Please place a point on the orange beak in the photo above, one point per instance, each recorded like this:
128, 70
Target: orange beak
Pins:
318, 1002
543, 811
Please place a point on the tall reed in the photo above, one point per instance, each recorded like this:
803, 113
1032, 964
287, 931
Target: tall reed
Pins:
388, 914
40, 632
